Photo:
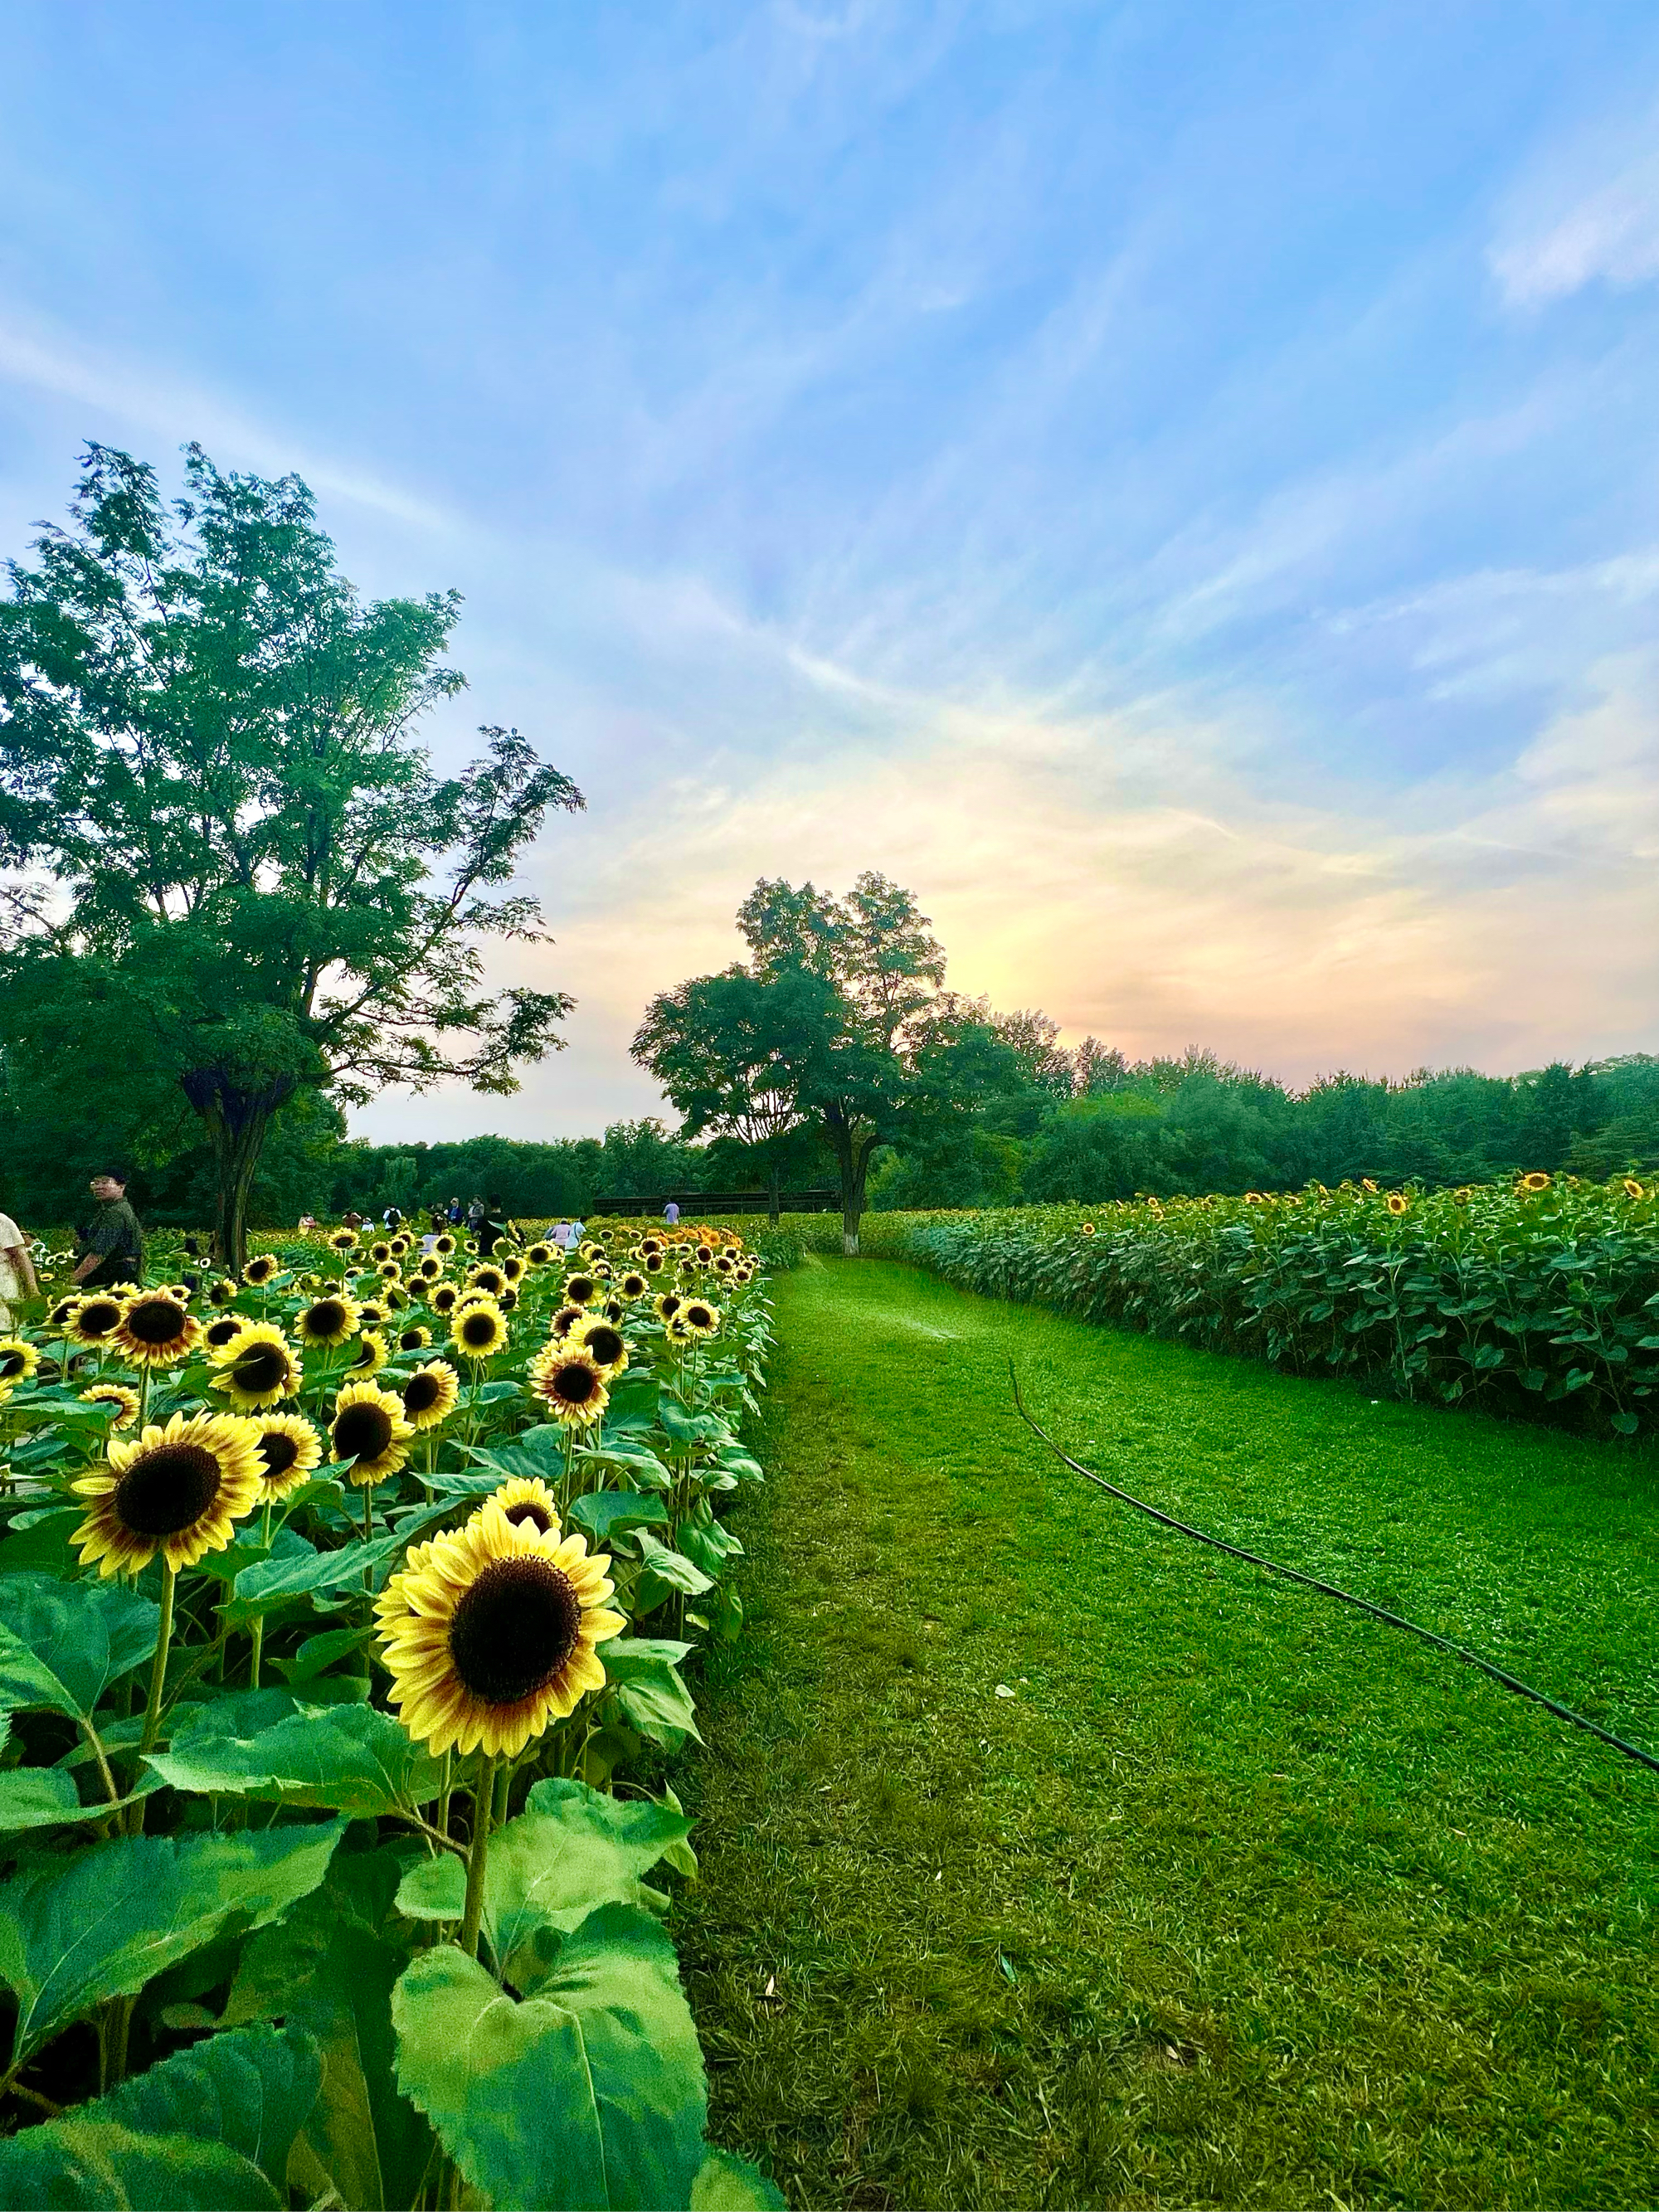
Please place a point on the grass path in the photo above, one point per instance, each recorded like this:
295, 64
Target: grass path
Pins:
1240, 1898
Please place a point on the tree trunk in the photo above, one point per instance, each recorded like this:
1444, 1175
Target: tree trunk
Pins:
238, 1121
777, 1179
854, 1164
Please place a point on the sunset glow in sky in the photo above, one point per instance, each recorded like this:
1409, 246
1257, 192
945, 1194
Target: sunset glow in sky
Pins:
1177, 486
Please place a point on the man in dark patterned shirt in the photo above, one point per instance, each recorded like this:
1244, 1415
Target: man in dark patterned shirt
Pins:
114, 1241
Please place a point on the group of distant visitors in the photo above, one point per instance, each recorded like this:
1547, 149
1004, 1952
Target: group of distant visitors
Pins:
111, 1244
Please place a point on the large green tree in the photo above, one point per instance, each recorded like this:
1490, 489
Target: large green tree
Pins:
836, 1021
234, 867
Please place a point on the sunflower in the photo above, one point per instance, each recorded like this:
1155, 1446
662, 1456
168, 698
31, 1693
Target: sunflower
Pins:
341, 1239
489, 1633
513, 1267
1089, 1229
18, 1360
224, 1293
508, 1298
579, 1291
430, 1268
1535, 1182
95, 1319
328, 1320
126, 1403
649, 1245
219, 1333
258, 1366
156, 1329
653, 1262
479, 1331
390, 1270
705, 1253
540, 1254
486, 1277
570, 1383
1633, 1188
444, 1244
444, 1298
371, 1312
261, 1269
414, 1338
668, 1306
399, 1246
564, 1320
633, 1285
395, 1297
62, 1315
380, 1250
1462, 1195
1396, 1203
677, 1334
525, 1498
370, 1356
289, 1450
176, 1491
725, 1264
369, 1427
604, 1345
431, 1393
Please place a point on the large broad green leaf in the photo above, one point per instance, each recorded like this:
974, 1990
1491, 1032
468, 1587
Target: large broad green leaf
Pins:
237, 2100
330, 1968
42, 1546
39, 1797
349, 1757
637, 1461
78, 2165
603, 1514
729, 2184
100, 1924
329, 1579
649, 1689
672, 1568
633, 1407
572, 1850
63, 1644
589, 2093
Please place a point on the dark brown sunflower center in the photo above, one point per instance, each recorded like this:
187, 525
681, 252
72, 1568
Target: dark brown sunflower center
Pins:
537, 1515
670, 1304
154, 1320
575, 1385
443, 1299
98, 1317
487, 1278
604, 1345
261, 1367
279, 1453
514, 1630
165, 1489
362, 1431
698, 1317
220, 1332
412, 1339
478, 1329
580, 1289
421, 1393
326, 1318
364, 1355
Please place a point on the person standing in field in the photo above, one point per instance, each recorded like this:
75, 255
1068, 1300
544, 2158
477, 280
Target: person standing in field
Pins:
671, 1212
17, 1277
114, 1241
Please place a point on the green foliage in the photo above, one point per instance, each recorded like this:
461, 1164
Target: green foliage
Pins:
346, 1758
62, 1644
1543, 1302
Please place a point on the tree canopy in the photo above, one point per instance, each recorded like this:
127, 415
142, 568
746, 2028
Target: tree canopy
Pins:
233, 868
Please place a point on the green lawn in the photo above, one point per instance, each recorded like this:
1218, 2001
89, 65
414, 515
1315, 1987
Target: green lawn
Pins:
1240, 1897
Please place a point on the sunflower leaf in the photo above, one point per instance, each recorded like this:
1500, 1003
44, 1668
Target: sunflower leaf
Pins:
672, 1568
330, 1968
349, 1757
602, 1513
329, 1579
649, 1689
63, 1644
725, 2182
591, 2093
39, 1797
84, 2165
40, 1545
101, 1924
245, 2095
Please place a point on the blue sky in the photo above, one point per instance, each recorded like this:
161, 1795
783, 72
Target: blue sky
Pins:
1176, 485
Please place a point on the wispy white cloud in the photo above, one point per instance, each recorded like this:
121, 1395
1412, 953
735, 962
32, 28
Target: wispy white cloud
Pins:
1608, 232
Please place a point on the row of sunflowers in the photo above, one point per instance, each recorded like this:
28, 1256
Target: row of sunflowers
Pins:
345, 1615
1538, 1296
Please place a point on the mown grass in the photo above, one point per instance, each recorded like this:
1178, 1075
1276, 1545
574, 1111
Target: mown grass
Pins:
1241, 1898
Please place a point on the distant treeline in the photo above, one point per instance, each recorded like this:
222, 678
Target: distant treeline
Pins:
1093, 1127
1053, 1123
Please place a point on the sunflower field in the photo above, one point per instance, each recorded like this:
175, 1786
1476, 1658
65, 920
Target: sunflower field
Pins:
345, 1616
1539, 1298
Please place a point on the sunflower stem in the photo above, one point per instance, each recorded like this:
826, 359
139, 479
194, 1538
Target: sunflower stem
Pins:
477, 1857
258, 1645
158, 1675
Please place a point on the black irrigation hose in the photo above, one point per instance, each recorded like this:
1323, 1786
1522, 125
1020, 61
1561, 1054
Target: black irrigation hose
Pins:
1312, 1581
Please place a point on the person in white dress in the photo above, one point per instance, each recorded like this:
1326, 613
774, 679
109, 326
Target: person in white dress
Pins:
17, 1277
